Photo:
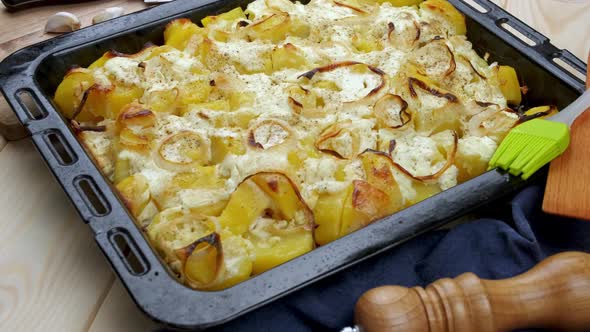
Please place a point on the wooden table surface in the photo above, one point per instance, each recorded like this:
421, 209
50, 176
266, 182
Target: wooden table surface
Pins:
52, 274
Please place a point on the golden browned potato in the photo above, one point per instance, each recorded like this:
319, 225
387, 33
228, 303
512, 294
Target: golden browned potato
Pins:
509, 85
442, 7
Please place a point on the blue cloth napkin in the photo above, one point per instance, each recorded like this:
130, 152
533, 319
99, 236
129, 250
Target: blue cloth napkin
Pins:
517, 237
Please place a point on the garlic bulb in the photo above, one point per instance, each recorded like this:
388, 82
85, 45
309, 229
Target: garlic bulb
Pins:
108, 14
62, 22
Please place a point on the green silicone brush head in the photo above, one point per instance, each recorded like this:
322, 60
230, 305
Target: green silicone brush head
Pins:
530, 146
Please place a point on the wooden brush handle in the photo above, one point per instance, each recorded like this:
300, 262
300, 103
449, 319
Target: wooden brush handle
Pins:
554, 294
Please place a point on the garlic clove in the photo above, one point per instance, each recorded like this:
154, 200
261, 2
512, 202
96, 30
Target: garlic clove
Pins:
62, 22
108, 14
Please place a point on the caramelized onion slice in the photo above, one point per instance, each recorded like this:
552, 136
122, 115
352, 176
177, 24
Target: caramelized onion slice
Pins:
351, 4
339, 140
435, 59
338, 65
392, 111
450, 161
136, 115
305, 102
105, 102
273, 27
414, 83
404, 35
203, 261
78, 128
268, 133
493, 122
486, 104
183, 151
464, 58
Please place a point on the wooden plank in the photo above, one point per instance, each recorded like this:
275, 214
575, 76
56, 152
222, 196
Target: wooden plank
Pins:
119, 313
23, 28
53, 274
564, 22
26, 27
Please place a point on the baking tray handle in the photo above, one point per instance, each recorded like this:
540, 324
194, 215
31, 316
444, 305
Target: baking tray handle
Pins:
529, 42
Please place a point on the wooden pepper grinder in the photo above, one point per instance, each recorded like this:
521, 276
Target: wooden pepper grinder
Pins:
554, 294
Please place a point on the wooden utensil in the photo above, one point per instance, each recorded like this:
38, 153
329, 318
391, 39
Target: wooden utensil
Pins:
567, 192
554, 294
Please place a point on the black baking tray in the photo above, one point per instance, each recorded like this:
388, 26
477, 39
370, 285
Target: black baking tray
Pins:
28, 79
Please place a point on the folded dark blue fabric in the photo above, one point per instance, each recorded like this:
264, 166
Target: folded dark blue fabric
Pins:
492, 248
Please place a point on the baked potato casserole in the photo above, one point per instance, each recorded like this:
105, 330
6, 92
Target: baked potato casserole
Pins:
262, 133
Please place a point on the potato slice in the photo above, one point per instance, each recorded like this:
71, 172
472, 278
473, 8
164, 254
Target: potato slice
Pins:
195, 92
224, 18
424, 191
363, 205
122, 170
240, 99
509, 85
135, 192
270, 254
246, 204
284, 193
287, 56
274, 27
304, 101
222, 146
328, 215
450, 13
71, 92
268, 210
378, 167
179, 32
199, 177
541, 112
107, 102
132, 140
163, 101
237, 260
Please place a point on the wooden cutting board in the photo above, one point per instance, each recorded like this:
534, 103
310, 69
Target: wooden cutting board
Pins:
567, 192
